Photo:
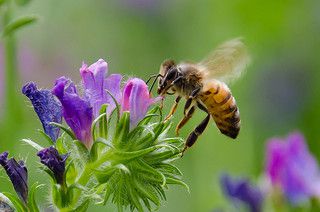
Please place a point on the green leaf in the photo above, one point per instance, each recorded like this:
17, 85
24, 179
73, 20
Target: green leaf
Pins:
32, 205
51, 142
33, 144
18, 23
18, 204
66, 130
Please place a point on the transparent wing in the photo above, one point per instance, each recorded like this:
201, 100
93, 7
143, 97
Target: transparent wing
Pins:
226, 62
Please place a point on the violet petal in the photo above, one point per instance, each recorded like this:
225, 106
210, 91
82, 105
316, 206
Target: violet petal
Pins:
77, 112
47, 107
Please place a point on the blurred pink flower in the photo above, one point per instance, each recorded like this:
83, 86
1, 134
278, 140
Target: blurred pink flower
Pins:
292, 168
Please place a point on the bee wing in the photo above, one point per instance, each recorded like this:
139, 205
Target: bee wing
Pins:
226, 62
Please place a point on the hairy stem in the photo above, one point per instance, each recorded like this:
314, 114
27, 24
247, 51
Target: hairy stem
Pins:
13, 112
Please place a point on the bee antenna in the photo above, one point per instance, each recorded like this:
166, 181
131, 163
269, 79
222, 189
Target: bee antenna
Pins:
156, 76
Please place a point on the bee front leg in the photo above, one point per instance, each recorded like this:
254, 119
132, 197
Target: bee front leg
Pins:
173, 109
185, 120
193, 136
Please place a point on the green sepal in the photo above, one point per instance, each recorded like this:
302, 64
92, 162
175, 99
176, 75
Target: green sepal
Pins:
171, 180
18, 204
59, 145
103, 174
66, 130
51, 142
18, 23
134, 199
128, 156
169, 169
148, 173
117, 109
33, 144
122, 131
70, 173
32, 204
100, 122
83, 207
49, 172
147, 191
81, 149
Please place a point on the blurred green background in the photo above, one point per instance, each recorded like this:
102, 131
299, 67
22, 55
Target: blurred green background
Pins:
279, 93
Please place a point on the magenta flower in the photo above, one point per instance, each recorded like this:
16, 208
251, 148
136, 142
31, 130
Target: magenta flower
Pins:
96, 83
18, 175
55, 162
241, 191
136, 99
77, 112
47, 107
292, 168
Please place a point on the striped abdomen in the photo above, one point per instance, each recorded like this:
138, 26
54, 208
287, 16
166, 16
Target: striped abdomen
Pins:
222, 107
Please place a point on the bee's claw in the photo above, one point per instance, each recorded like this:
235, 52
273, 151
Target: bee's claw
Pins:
177, 132
167, 118
184, 149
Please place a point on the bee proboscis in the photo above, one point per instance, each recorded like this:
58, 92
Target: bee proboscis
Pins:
203, 86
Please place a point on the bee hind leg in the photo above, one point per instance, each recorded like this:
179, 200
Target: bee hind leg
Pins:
193, 136
184, 120
173, 109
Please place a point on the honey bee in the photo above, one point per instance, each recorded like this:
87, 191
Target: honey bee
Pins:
203, 86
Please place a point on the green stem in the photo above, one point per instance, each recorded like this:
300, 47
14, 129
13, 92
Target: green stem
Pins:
86, 174
13, 112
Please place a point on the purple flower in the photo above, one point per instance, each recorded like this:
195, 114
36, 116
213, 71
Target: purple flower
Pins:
55, 162
47, 107
136, 99
77, 112
96, 83
240, 190
17, 173
291, 167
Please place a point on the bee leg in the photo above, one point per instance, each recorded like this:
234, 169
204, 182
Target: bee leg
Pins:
185, 120
194, 93
193, 136
154, 81
173, 109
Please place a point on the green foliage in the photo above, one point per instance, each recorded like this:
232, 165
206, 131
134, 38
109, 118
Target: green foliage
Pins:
129, 167
18, 23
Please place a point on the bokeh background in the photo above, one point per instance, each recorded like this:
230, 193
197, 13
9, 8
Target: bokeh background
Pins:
279, 93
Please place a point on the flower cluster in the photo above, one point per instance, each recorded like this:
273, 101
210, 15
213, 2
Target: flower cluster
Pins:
112, 149
291, 168
291, 178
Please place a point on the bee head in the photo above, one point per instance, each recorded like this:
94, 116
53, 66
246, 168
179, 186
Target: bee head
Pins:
165, 83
